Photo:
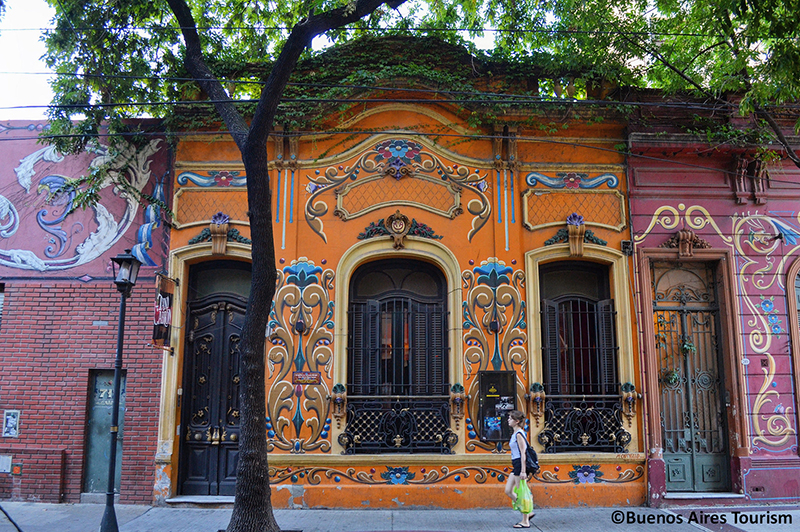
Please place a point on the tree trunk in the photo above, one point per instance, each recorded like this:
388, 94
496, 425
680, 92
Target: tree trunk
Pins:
252, 510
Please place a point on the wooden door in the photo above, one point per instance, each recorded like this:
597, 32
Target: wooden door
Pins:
210, 421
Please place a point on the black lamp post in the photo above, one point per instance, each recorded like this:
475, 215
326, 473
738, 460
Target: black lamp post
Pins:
126, 278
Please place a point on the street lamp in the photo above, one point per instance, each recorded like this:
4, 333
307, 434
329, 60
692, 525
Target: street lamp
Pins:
126, 278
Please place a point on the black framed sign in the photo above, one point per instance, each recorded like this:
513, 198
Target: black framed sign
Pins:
497, 398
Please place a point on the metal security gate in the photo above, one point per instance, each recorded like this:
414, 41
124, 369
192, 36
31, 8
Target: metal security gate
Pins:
693, 419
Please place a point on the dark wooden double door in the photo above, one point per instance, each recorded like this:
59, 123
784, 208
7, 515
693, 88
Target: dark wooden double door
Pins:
687, 317
210, 410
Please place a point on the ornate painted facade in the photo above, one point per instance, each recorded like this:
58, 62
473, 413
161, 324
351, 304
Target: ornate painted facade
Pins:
434, 272
715, 238
480, 210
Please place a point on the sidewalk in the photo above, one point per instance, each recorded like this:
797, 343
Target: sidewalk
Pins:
38, 517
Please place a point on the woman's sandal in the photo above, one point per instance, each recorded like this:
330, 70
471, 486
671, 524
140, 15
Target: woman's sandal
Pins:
520, 525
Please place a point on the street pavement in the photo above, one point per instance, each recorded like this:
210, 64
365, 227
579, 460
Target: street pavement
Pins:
40, 517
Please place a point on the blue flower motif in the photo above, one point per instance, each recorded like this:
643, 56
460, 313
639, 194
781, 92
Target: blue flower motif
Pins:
574, 219
493, 274
220, 218
767, 305
302, 273
585, 474
776, 329
773, 318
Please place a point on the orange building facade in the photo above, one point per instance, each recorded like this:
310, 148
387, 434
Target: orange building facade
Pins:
432, 277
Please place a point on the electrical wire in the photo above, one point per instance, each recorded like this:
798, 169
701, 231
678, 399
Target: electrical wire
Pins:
378, 29
542, 140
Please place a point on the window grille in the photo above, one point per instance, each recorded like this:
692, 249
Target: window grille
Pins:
398, 389
579, 355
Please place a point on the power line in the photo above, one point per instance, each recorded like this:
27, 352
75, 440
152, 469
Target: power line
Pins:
508, 100
542, 140
385, 29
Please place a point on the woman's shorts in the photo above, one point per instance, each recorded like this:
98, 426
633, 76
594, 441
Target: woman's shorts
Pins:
516, 463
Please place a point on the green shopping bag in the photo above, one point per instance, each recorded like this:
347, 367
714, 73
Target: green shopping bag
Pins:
524, 502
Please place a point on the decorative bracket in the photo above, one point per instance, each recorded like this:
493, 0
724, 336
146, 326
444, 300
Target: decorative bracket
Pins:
536, 398
576, 231
629, 398
458, 401
398, 227
219, 233
754, 171
686, 241
576, 234
338, 404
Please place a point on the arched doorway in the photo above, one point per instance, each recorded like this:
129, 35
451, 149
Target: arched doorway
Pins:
397, 361
217, 300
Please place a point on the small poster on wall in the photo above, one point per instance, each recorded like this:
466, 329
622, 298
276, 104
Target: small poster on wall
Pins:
11, 423
162, 317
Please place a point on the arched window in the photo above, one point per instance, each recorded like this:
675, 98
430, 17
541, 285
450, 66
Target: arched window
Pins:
398, 382
579, 359
397, 330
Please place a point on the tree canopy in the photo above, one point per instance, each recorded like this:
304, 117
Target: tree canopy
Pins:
118, 60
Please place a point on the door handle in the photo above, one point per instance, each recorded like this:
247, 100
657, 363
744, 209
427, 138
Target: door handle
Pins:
215, 437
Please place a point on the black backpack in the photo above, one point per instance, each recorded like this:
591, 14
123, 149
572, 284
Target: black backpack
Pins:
531, 461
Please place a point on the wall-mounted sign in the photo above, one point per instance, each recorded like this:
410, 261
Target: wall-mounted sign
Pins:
162, 315
5, 463
11, 424
497, 398
306, 377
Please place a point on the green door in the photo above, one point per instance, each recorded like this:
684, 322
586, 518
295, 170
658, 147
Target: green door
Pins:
98, 435
693, 418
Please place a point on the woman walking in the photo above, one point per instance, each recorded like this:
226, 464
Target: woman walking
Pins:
518, 445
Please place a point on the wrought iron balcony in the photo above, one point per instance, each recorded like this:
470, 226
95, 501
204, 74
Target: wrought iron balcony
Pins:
398, 424
584, 423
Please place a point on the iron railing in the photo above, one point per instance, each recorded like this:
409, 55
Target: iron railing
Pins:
584, 423
398, 424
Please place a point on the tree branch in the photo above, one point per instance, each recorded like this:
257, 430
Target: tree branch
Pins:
196, 65
300, 37
776, 128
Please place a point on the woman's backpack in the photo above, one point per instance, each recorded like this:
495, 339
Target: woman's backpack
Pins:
531, 461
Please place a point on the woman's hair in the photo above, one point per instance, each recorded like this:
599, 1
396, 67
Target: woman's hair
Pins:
517, 416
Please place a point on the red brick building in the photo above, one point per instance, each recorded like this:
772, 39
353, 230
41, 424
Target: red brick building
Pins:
60, 311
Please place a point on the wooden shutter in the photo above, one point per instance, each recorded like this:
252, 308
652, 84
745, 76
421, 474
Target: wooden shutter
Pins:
607, 346
364, 345
550, 347
372, 347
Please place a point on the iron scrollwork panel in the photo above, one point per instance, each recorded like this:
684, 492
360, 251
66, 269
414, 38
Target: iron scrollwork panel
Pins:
401, 425
584, 423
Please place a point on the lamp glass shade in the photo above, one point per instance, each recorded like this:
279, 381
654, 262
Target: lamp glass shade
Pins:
128, 268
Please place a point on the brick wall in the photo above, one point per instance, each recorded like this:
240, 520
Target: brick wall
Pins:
53, 334
42, 478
